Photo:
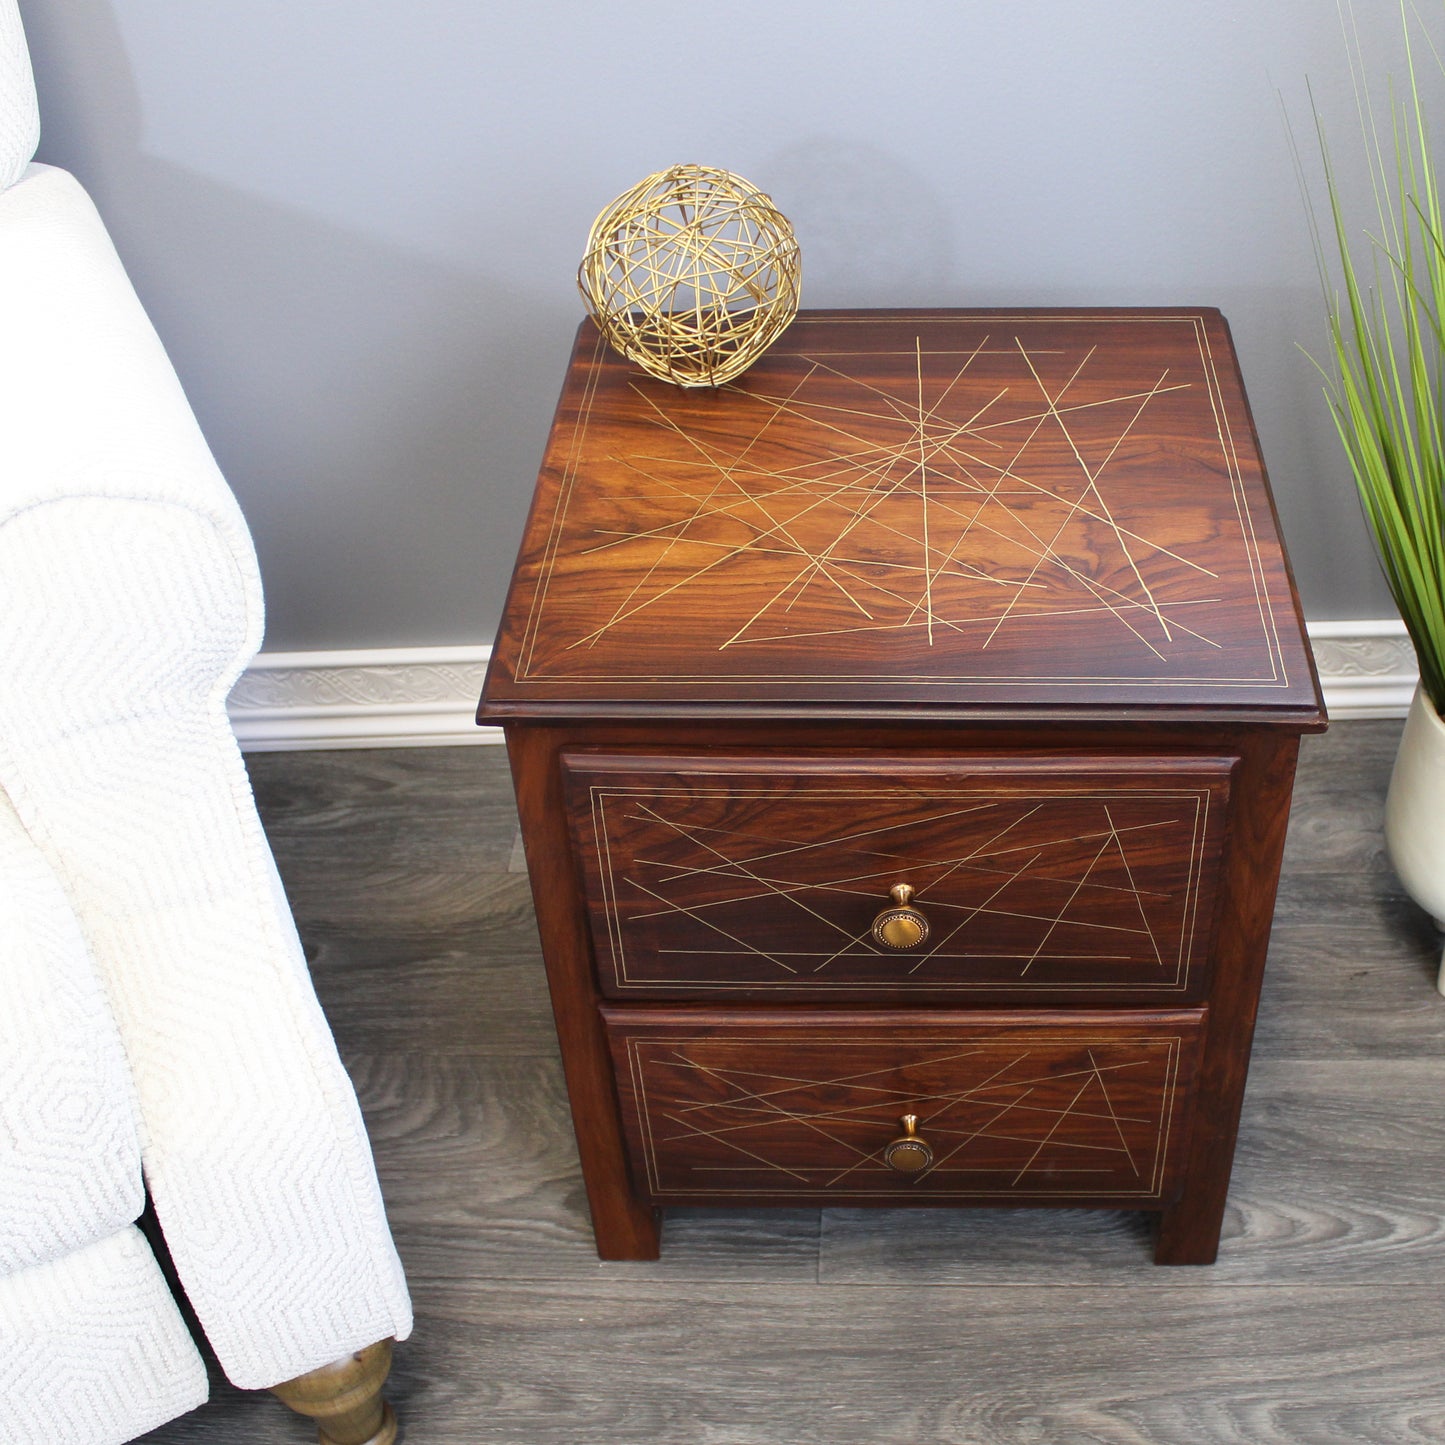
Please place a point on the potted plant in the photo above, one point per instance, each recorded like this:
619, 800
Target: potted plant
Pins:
1386, 387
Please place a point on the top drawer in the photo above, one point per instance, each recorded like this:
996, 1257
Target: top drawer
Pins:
1090, 877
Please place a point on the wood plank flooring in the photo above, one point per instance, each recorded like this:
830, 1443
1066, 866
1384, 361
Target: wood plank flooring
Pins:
1321, 1323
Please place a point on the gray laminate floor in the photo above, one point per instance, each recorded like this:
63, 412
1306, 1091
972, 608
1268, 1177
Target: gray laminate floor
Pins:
1324, 1320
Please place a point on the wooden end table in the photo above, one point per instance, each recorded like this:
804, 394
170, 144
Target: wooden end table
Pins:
903, 737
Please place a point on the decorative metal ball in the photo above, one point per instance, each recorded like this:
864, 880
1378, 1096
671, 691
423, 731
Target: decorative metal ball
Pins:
692, 274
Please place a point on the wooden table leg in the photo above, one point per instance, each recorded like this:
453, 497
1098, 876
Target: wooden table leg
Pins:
1189, 1229
624, 1226
344, 1398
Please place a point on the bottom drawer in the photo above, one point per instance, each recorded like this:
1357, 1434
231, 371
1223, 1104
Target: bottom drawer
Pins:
777, 1106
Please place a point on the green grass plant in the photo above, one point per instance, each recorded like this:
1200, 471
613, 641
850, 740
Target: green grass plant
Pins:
1385, 371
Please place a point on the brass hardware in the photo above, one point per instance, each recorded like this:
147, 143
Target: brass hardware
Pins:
909, 1153
902, 926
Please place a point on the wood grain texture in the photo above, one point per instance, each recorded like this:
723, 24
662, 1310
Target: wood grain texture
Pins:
452, 986
1258, 820
966, 1367
1320, 1324
1241, 915
1060, 519
1338, 802
1338, 1176
625, 1227
1059, 509
580, 1364
1352, 965
1045, 876
1031, 1106
503, 1196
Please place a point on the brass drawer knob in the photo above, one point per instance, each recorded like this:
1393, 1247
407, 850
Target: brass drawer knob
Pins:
910, 1153
900, 926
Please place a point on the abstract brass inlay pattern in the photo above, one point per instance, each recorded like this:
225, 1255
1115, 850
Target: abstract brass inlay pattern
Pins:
933, 512
1069, 886
1070, 1115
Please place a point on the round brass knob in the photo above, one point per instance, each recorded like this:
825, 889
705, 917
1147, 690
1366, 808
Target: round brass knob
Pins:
901, 926
910, 1153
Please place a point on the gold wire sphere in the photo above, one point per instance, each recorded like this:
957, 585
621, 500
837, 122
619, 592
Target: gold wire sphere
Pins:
692, 274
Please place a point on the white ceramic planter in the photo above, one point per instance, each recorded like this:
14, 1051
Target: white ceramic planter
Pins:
1415, 812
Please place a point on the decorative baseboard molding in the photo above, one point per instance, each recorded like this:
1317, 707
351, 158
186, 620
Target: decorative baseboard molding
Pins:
418, 696
1367, 668
382, 698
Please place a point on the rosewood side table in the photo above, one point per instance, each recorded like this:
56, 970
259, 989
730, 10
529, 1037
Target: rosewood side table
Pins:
903, 737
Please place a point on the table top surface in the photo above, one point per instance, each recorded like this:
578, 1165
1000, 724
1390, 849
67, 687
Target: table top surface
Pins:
982, 512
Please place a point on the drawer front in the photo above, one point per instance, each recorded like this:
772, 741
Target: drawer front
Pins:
1064, 878
1084, 1107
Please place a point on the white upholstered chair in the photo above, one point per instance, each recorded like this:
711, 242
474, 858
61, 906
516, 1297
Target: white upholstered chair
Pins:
157, 1021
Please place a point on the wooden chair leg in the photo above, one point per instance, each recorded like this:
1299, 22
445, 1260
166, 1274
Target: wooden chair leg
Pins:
344, 1398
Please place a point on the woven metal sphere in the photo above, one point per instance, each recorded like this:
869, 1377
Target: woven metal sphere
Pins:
692, 274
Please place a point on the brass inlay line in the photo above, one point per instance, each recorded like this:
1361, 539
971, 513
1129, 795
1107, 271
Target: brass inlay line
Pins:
1048, 1138
923, 497
760, 1097
891, 1095
972, 913
708, 923
773, 1113
1094, 475
984, 850
748, 850
817, 562
1129, 874
894, 451
769, 887
1092, 487
1109, 1103
780, 887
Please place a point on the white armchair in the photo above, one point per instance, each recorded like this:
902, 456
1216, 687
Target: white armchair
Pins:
157, 1015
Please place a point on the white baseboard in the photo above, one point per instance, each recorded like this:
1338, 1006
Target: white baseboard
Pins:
1367, 667
425, 696
380, 698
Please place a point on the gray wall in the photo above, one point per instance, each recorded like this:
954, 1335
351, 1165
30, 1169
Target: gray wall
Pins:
356, 222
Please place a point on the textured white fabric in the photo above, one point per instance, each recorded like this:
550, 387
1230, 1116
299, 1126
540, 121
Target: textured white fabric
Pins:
91, 404
131, 602
19, 114
92, 1348
70, 1170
